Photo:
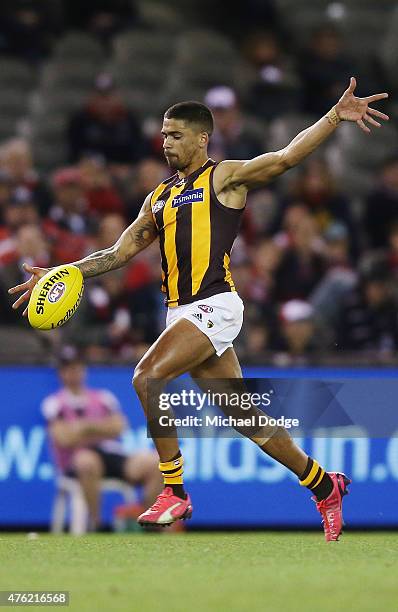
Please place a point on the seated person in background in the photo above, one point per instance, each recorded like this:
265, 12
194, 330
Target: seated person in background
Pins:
84, 425
339, 279
69, 222
100, 193
323, 66
16, 161
381, 208
16, 211
274, 88
302, 264
234, 135
368, 319
298, 343
28, 243
105, 126
102, 18
149, 172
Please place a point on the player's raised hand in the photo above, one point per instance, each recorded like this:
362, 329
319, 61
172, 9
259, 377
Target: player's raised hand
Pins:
351, 108
28, 285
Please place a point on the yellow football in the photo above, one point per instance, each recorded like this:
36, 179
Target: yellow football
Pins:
55, 297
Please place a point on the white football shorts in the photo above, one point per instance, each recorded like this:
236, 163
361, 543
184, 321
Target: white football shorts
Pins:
219, 317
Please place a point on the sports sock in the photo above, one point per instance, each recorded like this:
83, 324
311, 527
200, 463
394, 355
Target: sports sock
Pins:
316, 480
172, 471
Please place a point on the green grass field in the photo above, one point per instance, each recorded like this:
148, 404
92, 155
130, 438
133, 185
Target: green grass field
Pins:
207, 571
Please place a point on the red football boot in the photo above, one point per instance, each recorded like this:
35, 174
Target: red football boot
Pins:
166, 509
331, 507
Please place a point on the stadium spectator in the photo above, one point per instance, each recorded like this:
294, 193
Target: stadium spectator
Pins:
18, 211
261, 210
105, 126
391, 254
239, 18
381, 210
286, 223
368, 322
141, 279
234, 137
5, 194
25, 30
254, 280
149, 172
266, 257
16, 162
316, 189
102, 18
275, 88
302, 264
84, 425
68, 223
324, 67
296, 343
119, 317
104, 321
114, 174
340, 277
109, 230
253, 345
29, 246
100, 193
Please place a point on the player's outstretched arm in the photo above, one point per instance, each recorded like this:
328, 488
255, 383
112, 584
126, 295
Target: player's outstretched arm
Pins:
260, 170
140, 234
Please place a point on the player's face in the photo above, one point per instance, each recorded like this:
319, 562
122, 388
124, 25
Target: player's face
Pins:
182, 142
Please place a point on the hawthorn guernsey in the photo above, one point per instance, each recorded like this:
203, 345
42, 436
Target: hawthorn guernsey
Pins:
55, 297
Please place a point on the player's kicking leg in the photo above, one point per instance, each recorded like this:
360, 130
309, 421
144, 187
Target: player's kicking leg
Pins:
181, 347
328, 488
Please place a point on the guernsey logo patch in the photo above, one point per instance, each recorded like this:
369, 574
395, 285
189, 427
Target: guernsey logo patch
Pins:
158, 206
188, 197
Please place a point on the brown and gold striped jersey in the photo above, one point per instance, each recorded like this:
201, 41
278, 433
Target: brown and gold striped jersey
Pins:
196, 234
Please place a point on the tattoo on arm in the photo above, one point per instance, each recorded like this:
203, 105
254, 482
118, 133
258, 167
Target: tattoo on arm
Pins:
99, 262
143, 232
140, 234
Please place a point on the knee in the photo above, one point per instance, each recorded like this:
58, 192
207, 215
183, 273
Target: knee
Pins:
87, 463
139, 378
147, 371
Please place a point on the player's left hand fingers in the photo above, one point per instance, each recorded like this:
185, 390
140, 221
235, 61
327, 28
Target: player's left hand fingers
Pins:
376, 113
371, 121
25, 312
363, 126
375, 97
22, 298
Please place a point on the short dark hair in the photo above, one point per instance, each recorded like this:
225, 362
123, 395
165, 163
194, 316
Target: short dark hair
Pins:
192, 112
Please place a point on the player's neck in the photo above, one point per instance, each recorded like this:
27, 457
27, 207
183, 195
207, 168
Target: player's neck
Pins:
194, 165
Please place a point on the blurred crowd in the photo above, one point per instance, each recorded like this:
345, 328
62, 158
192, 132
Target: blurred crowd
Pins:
318, 272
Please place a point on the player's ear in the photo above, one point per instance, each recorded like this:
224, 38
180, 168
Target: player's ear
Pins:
203, 139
